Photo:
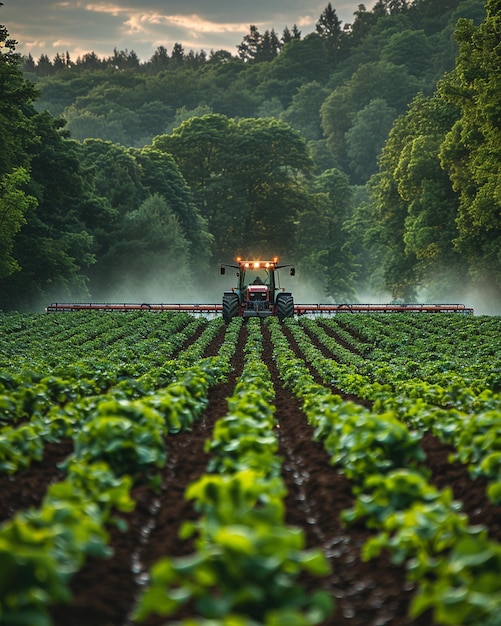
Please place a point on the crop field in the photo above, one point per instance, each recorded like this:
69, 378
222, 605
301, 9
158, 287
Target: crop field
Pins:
159, 468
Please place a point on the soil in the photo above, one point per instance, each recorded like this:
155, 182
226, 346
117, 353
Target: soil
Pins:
373, 593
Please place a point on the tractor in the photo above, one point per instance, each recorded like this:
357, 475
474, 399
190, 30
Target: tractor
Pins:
258, 293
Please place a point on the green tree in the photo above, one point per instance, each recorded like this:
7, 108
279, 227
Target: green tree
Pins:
88, 124
430, 225
159, 61
367, 136
16, 110
161, 176
113, 179
390, 7
415, 205
113, 174
124, 60
303, 114
123, 180
184, 114
257, 47
251, 45
61, 62
362, 24
270, 46
368, 250
328, 27
300, 62
44, 66
90, 61
371, 81
271, 108
14, 204
177, 56
410, 48
53, 247
18, 137
328, 24
219, 57
153, 119
445, 46
199, 147
269, 157
384, 231
288, 35
245, 177
323, 244
472, 148
28, 64
149, 259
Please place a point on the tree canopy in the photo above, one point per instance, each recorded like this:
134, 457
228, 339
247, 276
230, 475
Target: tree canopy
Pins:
245, 177
367, 153
472, 148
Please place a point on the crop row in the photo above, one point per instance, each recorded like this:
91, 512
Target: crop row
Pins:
429, 348
117, 442
247, 560
96, 343
457, 568
467, 417
53, 405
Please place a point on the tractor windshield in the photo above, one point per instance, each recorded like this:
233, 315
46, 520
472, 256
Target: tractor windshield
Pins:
257, 277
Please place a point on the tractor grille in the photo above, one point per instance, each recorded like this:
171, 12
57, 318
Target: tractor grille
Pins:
257, 304
257, 298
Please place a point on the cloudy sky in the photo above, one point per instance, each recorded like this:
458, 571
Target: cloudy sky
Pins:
81, 26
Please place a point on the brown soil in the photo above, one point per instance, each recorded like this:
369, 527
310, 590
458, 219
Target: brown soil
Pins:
373, 593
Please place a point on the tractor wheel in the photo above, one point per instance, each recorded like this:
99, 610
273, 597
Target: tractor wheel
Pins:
231, 306
285, 306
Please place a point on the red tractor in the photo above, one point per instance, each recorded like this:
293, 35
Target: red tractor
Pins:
258, 293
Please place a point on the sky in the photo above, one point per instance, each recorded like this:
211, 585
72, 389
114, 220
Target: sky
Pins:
82, 26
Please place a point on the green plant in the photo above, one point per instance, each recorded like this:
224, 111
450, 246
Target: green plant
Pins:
246, 562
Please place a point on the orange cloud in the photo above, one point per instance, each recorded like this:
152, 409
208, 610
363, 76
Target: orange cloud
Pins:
196, 23
30, 45
106, 7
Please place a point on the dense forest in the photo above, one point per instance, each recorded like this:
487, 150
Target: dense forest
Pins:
367, 153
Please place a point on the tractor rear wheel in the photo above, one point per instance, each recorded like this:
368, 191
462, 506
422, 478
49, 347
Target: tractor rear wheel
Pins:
285, 306
231, 306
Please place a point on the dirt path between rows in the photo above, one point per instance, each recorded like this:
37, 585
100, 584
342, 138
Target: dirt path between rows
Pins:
366, 594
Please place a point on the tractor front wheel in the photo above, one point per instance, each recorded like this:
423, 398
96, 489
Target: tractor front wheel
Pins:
231, 306
285, 306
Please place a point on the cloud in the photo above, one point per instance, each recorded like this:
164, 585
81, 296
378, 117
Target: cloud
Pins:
61, 44
105, 7
197, 24
35, 44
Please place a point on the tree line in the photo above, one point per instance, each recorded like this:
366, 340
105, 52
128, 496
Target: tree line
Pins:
256, 47
367, 154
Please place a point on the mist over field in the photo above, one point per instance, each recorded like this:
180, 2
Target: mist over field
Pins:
482, 300
169, 286
164, 287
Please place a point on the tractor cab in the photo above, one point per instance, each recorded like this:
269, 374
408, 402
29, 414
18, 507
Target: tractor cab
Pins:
257, 293
256, 288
